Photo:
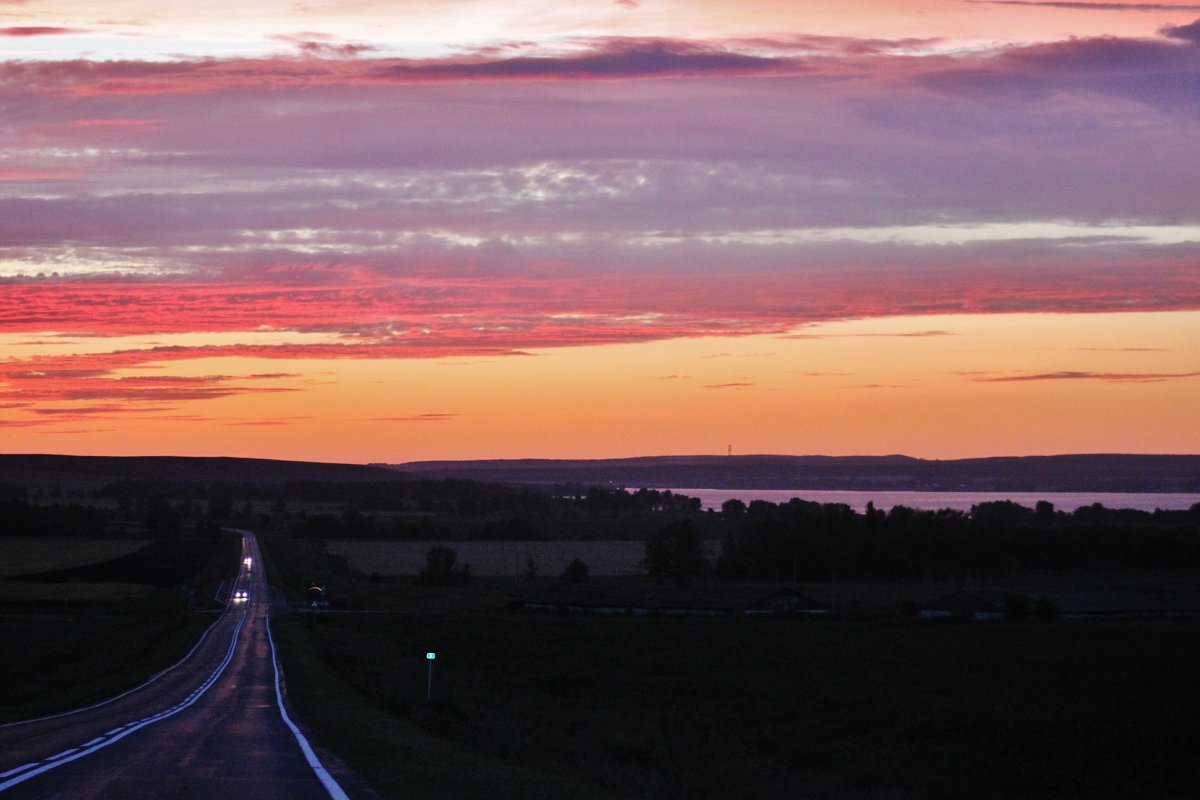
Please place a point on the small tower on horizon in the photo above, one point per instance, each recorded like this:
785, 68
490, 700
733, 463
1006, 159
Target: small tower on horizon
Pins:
729, 451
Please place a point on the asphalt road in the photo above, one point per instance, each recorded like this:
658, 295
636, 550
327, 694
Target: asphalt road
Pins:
210, 727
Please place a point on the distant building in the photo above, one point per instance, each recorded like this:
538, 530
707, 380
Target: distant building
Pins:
963, 605
645, 600
1015, 603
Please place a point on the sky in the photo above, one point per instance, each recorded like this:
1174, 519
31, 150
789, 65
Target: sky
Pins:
385, 231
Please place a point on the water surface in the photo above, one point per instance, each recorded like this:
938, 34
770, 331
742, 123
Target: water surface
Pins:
959, 501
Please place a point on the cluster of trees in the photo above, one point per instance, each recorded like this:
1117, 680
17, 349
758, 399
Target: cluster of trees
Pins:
400, 509
805, 540
156, 519
353, 524
442, 568
618, 502
19, 517
794, 540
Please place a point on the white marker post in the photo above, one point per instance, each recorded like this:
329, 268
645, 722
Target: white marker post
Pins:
429, 657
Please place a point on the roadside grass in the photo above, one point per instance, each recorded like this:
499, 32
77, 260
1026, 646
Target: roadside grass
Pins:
867, 707
21, 555
72, 643
57, 662
394, 754
712, 708
72, 596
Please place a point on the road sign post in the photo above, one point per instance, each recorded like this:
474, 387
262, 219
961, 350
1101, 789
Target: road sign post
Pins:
429, 659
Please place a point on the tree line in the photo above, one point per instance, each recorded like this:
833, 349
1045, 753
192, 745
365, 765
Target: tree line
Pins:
805, 540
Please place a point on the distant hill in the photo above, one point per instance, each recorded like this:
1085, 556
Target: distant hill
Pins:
93, 472
1065, 473
1129, 473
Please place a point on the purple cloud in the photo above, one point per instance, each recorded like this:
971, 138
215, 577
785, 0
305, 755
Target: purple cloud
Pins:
1093, 6
1187, 33
612, 58
1073, 375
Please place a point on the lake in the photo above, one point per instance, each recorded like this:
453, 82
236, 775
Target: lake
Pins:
959, 501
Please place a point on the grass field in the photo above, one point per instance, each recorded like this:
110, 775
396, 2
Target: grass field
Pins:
874, 707
71, 643
603, 558
25, 555
397, 755
701, 708
62, 661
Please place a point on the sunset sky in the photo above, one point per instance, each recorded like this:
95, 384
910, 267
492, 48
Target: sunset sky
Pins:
383, 230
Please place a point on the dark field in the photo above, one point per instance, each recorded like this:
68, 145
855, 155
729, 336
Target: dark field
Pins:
76, 633
695, 708
58, 662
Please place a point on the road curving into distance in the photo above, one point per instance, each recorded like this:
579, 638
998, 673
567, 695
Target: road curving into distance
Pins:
212, 726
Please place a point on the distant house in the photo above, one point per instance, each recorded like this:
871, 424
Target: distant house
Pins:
1011, 603
645, 600
964, 605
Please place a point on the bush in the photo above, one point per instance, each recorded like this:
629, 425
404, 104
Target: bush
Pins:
440, 569
576, 572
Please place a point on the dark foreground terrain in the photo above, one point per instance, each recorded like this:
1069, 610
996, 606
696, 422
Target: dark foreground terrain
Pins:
689, 708
107, 580
686, 707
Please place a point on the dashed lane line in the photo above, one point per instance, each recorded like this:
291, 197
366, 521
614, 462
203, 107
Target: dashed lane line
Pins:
22, 774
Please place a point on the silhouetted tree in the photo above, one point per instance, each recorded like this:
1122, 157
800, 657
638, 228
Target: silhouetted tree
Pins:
531, 569
220, 501
733, 507
162, 520
576, 572
440, 569
675, 552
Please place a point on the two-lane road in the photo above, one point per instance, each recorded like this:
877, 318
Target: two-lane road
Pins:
213, 726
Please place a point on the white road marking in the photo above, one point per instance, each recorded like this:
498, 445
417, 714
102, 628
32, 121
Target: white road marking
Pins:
327, 780
151, 680
76, 753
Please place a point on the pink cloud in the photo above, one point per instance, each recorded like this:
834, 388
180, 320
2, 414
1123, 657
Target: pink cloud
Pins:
58, 379
484, 204
338, 65
319, 45
38, 175
38, 30
1083, 6
375, 315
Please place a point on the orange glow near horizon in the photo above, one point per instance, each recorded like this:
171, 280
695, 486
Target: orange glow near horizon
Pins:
935, 387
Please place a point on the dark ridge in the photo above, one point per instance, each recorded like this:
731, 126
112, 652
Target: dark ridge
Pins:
1060, 473
93, 472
